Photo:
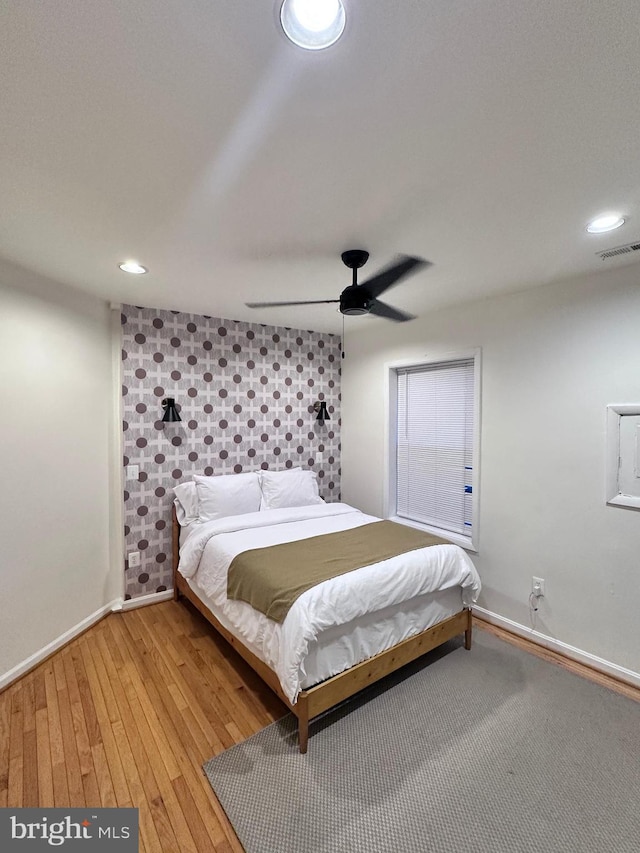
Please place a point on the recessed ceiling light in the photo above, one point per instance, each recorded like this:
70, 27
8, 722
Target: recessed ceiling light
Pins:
313, 24
133, 267
605, 222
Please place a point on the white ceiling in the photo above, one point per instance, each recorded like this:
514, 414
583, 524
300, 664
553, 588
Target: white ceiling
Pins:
190, 135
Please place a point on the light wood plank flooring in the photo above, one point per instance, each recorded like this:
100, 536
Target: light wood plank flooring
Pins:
126, 714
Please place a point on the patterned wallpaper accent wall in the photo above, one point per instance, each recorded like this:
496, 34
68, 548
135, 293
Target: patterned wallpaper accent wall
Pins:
245, 393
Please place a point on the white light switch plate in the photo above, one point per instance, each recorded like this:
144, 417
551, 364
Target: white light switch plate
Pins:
134, 559
132, 472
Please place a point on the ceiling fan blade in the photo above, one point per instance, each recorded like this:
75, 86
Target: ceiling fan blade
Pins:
278, 304
381, 309
377, 284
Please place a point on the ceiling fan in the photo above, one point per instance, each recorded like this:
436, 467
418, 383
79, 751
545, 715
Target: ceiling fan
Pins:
363, 298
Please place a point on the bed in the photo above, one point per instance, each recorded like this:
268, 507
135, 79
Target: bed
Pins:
337, 636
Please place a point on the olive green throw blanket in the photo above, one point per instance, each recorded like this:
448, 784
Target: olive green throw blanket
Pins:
271, 579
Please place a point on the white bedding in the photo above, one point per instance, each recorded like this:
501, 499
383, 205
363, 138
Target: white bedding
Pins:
209, 548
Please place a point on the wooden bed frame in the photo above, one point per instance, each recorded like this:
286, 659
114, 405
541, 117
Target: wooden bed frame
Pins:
315, 700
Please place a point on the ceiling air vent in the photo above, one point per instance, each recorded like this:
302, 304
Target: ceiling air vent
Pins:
627, 249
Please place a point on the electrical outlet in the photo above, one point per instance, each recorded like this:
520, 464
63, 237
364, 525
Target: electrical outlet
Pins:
134, 559
132, 472
537, 587
318, 457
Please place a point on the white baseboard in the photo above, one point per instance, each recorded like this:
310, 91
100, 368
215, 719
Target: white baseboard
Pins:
143, 600
115, 606
599, 664
36, 658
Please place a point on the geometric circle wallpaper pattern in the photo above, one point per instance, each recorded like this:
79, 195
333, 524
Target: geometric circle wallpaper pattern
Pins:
245, 393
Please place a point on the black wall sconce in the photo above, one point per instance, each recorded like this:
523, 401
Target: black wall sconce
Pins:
321, 408
170, 412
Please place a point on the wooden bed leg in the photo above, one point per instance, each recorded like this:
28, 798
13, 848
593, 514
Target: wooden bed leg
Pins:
302, 710
303, 735
467, 633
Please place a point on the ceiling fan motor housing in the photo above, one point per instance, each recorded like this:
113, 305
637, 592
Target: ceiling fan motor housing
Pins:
354, 300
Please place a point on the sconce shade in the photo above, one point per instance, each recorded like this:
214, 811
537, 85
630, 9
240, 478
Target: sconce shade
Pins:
170, 412
321, 408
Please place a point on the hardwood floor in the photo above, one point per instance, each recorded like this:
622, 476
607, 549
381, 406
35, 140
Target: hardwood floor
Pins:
126, 714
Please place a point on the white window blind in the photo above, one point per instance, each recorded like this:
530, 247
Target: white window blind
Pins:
435, 435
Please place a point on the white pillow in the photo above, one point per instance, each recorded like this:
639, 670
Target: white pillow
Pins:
186, 503
227, 494
289, 488
274, 475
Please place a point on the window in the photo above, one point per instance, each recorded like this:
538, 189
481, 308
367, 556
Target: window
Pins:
433, 448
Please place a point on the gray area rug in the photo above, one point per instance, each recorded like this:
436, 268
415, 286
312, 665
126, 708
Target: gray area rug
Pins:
489, 750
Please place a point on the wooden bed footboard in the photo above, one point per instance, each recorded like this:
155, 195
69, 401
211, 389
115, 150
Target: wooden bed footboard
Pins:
315, 700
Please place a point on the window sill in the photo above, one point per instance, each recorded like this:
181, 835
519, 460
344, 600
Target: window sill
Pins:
456, 538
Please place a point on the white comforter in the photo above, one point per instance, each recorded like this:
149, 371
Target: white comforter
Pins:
210, 547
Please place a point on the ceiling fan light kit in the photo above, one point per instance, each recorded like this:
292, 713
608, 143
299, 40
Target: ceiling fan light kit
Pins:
363, 298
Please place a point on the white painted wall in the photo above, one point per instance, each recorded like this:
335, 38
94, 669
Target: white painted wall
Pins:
57, 566
552, 358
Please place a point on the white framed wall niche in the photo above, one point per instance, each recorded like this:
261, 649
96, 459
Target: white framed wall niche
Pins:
623, 455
